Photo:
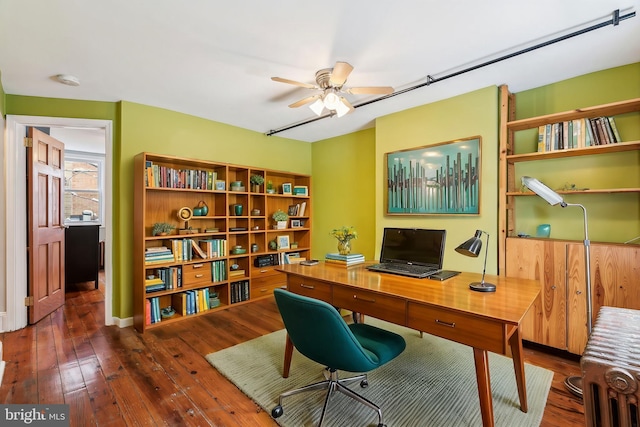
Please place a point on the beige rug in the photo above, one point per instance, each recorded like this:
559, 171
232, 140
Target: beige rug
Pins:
432, 383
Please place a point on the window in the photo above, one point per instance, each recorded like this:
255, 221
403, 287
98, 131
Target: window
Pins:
83, 187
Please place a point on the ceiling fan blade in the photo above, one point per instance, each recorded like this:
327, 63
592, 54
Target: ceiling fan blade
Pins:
303, 101
340, 73
377, 90
293, 82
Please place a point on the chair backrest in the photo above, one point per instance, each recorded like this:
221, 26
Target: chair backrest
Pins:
319, 332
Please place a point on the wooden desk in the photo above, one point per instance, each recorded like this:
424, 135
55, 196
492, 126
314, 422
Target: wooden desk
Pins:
449, 309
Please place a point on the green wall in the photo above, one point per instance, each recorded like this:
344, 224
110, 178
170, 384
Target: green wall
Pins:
349, 180
139, 128
612, 217
344, 191
161, 131
348, 171
468, 115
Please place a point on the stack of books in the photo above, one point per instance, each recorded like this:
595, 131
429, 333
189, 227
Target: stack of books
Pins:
344, 260
154, 285
158, 254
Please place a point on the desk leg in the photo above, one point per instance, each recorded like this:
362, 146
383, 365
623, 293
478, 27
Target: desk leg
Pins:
288, 352
481, 360
515, 341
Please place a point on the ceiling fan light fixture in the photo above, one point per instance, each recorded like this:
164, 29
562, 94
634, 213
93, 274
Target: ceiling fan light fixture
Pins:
317, 106
341, 108
331, 101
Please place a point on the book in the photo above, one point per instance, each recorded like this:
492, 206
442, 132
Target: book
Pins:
614, 129
329, 261
349, 257
198, 250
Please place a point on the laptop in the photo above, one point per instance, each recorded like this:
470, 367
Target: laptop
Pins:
412, 252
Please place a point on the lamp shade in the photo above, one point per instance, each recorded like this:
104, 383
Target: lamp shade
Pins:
543, 191
472, 246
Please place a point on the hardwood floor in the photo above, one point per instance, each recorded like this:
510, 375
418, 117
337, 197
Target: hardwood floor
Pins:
116, 377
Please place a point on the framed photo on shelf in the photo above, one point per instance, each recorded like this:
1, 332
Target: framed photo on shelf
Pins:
295, 223
283, 242
300, 190
286, 188
438, 179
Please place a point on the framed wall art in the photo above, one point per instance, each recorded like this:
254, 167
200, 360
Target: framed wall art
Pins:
438, 179
283, 242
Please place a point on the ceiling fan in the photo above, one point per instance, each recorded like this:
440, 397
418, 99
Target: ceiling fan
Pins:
331, 82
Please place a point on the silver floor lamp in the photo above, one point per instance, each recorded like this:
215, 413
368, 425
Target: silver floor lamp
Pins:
573, 383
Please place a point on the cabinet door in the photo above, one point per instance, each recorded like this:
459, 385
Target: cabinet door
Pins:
545, 261
615, 282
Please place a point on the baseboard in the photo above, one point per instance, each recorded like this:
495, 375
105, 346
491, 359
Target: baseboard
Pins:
122, 323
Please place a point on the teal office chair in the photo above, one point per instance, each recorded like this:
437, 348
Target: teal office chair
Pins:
318, 331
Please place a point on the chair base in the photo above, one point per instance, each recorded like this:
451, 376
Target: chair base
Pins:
331, 384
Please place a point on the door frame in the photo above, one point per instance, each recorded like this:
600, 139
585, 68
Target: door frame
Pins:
15, 202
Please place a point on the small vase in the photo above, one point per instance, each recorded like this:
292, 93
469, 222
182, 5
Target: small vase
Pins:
344, 248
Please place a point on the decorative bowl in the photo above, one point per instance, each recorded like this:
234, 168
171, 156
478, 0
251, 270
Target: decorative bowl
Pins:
236, 251
234, 266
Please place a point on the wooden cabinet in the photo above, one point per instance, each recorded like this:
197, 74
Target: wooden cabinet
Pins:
544, 260
558, 318
166, 184
82, 254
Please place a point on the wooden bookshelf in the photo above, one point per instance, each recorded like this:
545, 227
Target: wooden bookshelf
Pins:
558, 318
174, 183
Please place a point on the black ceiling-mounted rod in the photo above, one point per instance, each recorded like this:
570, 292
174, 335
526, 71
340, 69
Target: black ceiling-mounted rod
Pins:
615, 20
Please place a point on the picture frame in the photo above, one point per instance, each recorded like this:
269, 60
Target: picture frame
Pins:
437, 179
300, 190
286, 188
283, 242
295, 223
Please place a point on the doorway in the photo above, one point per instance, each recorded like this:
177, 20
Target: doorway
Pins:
15, 207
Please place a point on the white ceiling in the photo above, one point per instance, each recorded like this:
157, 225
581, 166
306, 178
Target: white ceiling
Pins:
214, 59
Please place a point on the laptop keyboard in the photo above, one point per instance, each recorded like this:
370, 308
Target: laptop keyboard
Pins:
409, 269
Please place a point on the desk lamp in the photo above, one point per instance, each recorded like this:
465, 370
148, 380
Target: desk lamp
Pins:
573, 383
472, 248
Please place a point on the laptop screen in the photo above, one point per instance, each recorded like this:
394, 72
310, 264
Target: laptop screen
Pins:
413, 246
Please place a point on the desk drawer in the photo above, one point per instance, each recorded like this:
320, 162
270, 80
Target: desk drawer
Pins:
263, 286
310, 288
370, 303
460, 327
196, 273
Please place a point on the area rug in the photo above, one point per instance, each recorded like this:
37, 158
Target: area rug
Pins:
432, 383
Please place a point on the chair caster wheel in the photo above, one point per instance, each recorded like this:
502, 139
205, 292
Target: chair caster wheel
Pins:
364, 383
277, 411
382, 425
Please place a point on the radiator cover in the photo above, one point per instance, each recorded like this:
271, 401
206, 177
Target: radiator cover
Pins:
611, 369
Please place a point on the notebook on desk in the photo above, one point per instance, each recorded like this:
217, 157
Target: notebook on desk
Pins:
412, 252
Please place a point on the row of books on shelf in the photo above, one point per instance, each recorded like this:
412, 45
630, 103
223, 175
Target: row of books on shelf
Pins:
191, 302
239, 291
165, 278
577, 133
185, 250
343, 260
167, 177
298, 209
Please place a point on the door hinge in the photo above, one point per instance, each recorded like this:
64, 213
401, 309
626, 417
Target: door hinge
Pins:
28, 142
28, 301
